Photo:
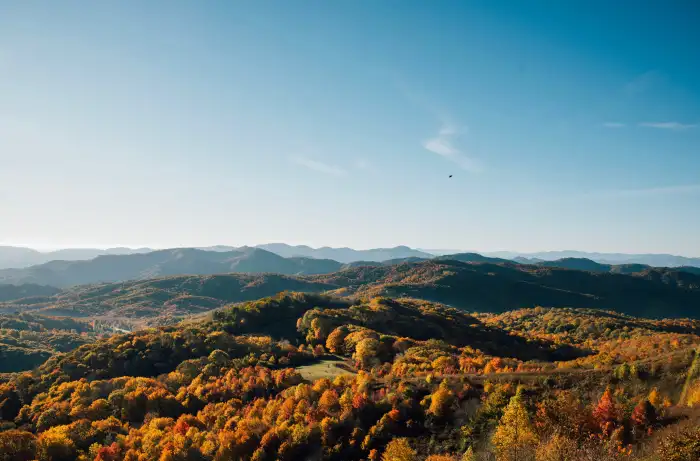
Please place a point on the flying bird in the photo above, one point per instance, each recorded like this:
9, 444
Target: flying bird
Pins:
450, 176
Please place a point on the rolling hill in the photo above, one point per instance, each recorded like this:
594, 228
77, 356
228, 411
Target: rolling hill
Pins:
490, 287
470, 286
9, 292
162, 300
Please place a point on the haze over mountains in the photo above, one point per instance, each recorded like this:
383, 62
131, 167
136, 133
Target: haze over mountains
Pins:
655, 260
112, 268
20, 257
285, 260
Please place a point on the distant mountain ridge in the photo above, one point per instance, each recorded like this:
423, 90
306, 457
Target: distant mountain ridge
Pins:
19, 257
654, 260
179, 261
345, 255
256, 260
584, 264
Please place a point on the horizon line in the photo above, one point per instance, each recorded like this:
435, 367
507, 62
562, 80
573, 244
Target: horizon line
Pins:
50, 249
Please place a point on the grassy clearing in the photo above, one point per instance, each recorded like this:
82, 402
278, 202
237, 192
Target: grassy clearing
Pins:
325, 369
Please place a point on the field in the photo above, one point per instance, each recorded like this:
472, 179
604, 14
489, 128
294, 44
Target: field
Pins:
328, 368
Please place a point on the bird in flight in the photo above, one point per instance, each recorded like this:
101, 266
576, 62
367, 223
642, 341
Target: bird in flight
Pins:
450, 176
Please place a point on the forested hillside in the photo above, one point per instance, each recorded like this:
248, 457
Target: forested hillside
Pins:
470, 286
10, 291
491, 287
28, 340
312, 377
162, 300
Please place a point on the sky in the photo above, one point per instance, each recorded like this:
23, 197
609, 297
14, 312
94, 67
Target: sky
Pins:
564, 125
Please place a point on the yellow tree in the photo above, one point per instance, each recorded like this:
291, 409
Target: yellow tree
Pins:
514, 438
366, 352
469, 455
17, 446
557, 448
336, 340
441, 401
399, 450
329, 401
655, 398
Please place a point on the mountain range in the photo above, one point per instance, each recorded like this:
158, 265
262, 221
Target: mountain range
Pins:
21, 257
192, 261
655, 260
112, 268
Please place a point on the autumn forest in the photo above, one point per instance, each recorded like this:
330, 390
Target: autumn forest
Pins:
350, 374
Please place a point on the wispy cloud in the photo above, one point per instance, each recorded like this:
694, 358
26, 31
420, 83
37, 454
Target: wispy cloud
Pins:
362, 164
676, 126
614, 125
643, 82
321, 167
443, 145
683, 189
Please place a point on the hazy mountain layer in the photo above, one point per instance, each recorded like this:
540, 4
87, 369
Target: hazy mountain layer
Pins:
112, 268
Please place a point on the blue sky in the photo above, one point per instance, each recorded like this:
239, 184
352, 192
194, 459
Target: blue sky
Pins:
565, 125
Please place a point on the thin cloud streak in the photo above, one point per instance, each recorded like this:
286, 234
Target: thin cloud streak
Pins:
676, 126
319, 166
683, 189
443, 145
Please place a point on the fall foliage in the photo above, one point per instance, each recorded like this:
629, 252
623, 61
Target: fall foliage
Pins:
367, 379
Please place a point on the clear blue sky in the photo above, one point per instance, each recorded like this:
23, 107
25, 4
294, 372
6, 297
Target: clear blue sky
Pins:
565, 125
